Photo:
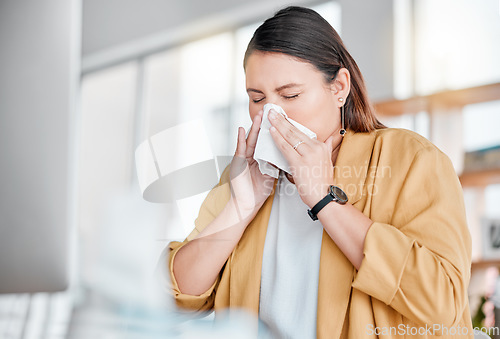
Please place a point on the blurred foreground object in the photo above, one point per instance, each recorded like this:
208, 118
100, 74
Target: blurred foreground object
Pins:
40, 72
176, 163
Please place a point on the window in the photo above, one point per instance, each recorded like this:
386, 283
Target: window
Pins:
453, 47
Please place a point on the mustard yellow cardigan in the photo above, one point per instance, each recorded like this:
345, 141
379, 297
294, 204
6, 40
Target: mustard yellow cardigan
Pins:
416, 268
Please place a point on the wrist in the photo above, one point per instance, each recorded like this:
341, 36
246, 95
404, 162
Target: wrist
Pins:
239, 211
318, 195
335, 195
331, 207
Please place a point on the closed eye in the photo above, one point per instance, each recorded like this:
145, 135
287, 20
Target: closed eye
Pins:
290, 96
259, 100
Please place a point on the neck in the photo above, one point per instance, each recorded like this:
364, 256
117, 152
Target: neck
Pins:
335, 153
336, 146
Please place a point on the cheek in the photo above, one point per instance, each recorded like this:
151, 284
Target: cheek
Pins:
317, 115
313, 111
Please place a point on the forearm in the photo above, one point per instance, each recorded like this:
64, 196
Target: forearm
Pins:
348, 228
197, 264
423, 283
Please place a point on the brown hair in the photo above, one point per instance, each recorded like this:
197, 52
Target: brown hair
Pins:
302, 33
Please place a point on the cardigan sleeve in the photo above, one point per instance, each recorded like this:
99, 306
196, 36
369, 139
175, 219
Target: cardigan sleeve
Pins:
213, 204
419, 264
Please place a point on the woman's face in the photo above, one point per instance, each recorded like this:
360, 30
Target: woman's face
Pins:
296, 86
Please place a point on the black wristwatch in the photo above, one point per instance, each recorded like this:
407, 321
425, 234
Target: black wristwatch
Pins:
334, 194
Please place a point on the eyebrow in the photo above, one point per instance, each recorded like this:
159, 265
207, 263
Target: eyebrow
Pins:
278, 89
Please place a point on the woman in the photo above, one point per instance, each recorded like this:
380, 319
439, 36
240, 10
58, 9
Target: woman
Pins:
394, 261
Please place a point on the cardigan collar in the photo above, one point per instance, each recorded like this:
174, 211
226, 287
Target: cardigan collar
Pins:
352, 163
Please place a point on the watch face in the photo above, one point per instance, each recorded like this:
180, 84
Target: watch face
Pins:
338, 194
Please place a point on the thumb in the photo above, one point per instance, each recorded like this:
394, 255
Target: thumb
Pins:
241, 144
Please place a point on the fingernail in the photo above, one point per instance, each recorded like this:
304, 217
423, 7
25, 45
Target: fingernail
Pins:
272, 129
272, 115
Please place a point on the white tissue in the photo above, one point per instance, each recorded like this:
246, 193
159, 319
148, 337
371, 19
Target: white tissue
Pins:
266, 151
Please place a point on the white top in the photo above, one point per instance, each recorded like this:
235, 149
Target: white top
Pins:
290, 266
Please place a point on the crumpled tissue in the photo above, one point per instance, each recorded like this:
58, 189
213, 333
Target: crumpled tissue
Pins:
266, 152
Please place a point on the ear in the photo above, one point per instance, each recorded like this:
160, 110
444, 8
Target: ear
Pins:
341, 86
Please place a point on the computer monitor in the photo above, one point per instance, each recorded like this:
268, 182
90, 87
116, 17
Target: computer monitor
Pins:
39, 67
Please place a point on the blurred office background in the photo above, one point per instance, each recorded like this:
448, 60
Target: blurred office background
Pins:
84, 83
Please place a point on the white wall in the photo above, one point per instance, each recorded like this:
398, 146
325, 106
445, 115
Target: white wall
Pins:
125, 21
116, 31
368, 33
39, 67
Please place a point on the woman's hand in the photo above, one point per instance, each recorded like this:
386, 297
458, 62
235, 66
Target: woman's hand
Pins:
310, 163
249, 187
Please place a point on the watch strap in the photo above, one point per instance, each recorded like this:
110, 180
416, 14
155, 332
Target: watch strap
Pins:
313, 212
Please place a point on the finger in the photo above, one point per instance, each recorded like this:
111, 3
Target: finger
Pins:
289, 132
253, 135
239, 163
241, 144
285, 148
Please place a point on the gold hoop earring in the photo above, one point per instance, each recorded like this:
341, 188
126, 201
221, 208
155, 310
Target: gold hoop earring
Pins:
342, 118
